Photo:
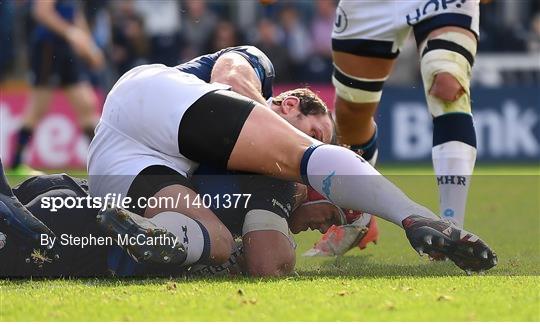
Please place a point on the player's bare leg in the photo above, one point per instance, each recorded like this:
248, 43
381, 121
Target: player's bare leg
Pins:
36, 107
84, 102
447, 57
358, 81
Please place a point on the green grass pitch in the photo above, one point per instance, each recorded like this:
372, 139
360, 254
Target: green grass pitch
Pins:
387, 282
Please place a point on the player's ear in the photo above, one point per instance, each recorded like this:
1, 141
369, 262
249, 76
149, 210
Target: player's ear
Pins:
290, 103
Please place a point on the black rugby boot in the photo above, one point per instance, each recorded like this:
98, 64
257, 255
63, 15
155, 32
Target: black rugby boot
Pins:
442, 239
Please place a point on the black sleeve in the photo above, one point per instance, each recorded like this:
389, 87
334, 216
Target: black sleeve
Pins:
270, 194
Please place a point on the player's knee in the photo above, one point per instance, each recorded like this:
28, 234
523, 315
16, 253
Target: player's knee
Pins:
446, 66
446, 87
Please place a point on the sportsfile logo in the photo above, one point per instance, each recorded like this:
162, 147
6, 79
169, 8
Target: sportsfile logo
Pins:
225, 201
432, 6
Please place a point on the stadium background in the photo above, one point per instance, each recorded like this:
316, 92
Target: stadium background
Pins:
296, 37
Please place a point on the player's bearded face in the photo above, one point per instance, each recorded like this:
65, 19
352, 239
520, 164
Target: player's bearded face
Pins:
318, 126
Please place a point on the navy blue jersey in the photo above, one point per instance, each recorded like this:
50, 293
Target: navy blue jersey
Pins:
202, 66
67, 9
265, 193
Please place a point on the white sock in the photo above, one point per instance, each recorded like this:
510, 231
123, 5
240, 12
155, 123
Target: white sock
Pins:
350, 182
453, 163
373, 159
189, 232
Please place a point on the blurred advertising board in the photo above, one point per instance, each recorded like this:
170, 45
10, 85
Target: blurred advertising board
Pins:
57, 143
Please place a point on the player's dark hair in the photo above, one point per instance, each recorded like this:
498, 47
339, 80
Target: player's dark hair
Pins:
310, 103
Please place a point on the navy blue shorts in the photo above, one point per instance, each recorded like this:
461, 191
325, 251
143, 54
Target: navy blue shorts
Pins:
54, 63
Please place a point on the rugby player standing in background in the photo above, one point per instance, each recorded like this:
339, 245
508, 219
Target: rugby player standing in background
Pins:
366, 40
59, 41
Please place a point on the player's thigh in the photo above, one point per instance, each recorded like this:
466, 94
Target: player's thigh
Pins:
268, 145
43, 68
232, 132
428, 22
363, 66
442, 30
365, 43
359, 80
70, 68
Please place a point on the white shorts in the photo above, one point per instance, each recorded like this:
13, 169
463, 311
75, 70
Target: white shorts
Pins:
378, 28
139, 126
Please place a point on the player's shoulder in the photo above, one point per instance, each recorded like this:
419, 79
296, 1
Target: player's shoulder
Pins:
254, 55
261, 64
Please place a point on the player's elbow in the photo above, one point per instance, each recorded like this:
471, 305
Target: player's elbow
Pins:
233, 79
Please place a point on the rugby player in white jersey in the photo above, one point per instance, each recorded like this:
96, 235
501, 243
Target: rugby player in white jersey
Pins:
366, 41
160, 116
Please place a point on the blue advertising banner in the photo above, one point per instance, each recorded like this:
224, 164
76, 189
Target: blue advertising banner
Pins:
507, 124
